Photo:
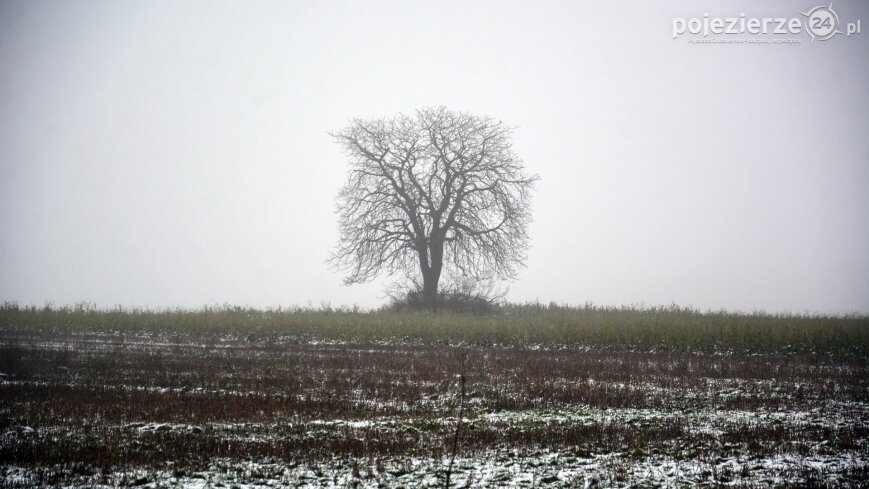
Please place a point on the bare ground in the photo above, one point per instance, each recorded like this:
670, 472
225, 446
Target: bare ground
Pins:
122, 409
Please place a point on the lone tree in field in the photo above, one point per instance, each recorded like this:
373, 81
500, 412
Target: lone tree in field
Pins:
429, 193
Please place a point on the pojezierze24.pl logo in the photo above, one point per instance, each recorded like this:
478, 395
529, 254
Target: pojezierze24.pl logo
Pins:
820, 23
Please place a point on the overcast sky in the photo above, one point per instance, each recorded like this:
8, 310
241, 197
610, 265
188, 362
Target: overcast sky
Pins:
177, 153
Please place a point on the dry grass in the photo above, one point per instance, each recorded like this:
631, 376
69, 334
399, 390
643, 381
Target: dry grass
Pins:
118, 397
614, 329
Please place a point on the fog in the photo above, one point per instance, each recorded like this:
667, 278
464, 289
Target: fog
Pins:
168, 154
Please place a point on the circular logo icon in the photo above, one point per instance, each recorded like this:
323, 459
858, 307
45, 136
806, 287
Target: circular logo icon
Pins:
822, 23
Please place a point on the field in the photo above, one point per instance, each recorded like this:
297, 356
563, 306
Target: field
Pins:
552, 397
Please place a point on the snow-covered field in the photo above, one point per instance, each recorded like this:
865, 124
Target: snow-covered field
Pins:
115, 410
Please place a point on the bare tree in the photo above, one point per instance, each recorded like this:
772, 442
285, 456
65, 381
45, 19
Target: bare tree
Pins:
439, 191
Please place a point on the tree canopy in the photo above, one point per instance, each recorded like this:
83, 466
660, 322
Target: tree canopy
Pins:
438, 191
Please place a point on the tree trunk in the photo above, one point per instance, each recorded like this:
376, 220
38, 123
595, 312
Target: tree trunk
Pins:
430, 290
432, 276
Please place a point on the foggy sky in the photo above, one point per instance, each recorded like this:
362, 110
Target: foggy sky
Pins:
177, 153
